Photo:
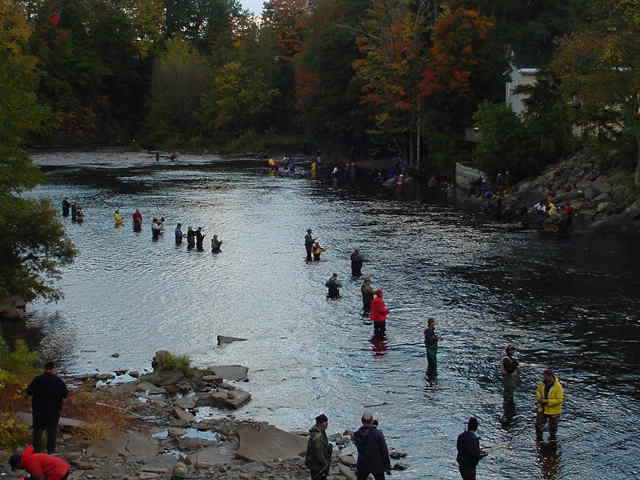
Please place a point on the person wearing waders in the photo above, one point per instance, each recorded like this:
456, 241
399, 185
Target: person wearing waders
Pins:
373, 454
510, 374
40, 465
308, 244
137, 220
74, 211
334, 287
191, 238
47, 393
216, 244
356, 264
469, 452
155, 230
379, 313
200, 239
65, 207
367, 297
550, 397
319, 450
431, 345
178, 234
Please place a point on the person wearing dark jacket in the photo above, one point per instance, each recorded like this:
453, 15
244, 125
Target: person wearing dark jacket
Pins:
319, 450
367, 297
47, 393
178, 234
431, 345
469, 452
199, 239
308, 244
373, 455
191, 238
334, 287
65, 207
356, 263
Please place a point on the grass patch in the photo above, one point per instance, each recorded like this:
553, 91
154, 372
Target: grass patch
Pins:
169, 361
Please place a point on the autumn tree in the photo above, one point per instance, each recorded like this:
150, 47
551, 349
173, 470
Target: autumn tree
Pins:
600, 73
33, 245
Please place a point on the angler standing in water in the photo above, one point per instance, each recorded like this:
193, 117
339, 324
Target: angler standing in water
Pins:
431, 345
65, 207
367, 296
334, 287
379, 313
200, 239
178, 234
74, 211
308, 244
215, 244
510, 372
469, 452
155, 230
137, 221
117, 218
550, 397
356, 263
191, 238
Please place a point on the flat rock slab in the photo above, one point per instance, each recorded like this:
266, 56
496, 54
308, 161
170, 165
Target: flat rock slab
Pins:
232, 399
210, 456
149, 388
263, 443
183, 415
130, 444
63, 423
161, 462
230, 372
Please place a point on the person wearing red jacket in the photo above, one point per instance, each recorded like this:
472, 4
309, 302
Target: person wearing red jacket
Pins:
40, 465
379, 313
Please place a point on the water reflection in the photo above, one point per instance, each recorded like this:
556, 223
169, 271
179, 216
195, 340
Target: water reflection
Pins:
568, 305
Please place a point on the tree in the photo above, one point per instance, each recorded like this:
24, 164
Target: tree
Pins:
33, 245
600, 73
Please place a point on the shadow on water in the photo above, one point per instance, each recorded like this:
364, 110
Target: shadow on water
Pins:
569, 305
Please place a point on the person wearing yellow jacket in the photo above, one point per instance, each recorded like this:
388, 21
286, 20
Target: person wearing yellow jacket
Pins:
550, 397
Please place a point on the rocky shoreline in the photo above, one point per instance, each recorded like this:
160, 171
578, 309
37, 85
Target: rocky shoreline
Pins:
168, 432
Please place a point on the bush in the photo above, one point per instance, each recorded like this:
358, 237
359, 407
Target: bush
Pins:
169, 361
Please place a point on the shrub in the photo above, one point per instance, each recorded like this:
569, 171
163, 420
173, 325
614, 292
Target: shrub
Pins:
169, 361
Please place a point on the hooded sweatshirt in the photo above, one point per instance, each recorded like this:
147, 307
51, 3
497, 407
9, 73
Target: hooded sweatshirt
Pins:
46, 467
373, 455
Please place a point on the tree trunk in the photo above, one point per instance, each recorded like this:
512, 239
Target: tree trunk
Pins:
637, 176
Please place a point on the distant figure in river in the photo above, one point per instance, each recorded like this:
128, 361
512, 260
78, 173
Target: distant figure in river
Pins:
550, 397
79, 214
431, 344
510, 374
65, 207
155, 229
313, 170
137, 221
319, 450
469, 452
356, 263
178, 234
373, 454
334, 287
161, 224
173, 157
74, 211
317, 250
308, 244
379, 313
117, 218
215, 244
367, 296
191, 238
200, 239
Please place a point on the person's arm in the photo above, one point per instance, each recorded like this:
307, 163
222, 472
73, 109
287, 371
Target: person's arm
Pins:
384, 451
30, 389
472, 445
34, 468
557, 398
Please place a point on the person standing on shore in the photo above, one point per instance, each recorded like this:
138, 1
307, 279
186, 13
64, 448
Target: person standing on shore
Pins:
40, 465
469, 452
308, 244
47, 393
379, 313
65, 207
431, 345
373, 454
367, 297
550, 397
319, 450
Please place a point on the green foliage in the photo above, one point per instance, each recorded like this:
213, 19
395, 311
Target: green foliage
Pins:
170, 361
18, 360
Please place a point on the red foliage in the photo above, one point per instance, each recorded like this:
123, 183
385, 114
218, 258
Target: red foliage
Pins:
54, 19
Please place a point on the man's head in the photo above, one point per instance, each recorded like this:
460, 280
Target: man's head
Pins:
431, 322
14, 461
472, 424
309, 230
49, 366
335, 275
509, 350
548, 376
322, 420
367, 418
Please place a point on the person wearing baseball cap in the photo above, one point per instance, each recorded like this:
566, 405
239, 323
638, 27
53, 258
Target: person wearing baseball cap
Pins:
319, 450
40, 465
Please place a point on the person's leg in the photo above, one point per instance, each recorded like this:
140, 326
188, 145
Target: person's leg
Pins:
52, 433
37, 439
468, 473
378, 476
541, 419
553, 427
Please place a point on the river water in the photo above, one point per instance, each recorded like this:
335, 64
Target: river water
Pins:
567, 304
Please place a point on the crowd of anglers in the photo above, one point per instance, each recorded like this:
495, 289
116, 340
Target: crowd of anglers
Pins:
373, 456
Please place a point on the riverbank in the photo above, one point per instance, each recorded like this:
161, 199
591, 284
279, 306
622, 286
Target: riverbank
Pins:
173, 423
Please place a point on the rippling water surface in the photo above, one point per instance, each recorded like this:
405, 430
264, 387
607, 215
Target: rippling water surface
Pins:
570, 305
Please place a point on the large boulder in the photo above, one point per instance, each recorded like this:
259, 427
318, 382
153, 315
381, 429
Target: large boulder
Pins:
263, 443
232, 399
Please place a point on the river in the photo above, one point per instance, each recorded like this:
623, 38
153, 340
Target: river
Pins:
567, 304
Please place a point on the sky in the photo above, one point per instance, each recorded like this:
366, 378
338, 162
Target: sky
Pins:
254, 6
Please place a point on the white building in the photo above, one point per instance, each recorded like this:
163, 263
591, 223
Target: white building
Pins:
519, 77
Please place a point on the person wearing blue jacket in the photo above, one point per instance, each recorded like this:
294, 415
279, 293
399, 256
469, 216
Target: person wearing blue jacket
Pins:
373, 455
469, 452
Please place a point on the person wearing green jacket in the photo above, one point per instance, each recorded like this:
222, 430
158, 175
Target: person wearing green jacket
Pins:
550, 397
319, 450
